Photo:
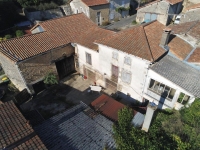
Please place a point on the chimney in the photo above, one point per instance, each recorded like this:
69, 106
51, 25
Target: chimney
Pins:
165, 37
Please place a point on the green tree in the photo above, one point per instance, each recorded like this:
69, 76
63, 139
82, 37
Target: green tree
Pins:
50, 79
8, 36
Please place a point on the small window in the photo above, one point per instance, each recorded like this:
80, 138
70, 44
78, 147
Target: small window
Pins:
127, 60
115, 55
88, 58
126, 77
183, 98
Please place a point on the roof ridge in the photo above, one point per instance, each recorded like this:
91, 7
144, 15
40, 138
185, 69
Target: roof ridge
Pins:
152, 59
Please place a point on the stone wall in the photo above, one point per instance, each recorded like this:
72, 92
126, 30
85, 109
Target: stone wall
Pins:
12, 71
104, 9
35, 68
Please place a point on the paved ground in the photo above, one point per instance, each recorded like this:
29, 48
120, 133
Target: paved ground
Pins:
58, 98
122, 24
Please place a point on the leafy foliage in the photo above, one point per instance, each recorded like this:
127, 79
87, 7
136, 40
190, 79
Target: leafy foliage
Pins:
19, 33
120, 9
50, 79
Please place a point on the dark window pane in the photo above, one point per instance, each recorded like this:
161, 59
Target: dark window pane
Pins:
151, 83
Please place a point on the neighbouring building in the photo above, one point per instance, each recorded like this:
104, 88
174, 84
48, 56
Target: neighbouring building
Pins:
96, 10
190, 14
15, 132
162, 10
119, 9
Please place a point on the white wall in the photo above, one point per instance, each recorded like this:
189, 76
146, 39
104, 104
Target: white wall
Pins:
138, 70
151, 96
80, 6
81, 51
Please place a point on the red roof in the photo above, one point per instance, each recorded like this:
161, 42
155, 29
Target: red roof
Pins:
14, 131
195, 56
107, 106
57, 32
95, 2
142, 41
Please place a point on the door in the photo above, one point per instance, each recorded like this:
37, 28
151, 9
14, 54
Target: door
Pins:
65, 67
99, 18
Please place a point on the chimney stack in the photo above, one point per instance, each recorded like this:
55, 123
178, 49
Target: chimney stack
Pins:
165, 37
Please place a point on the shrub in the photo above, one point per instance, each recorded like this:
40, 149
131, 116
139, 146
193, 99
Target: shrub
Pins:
134, 22
50, 79
19, 33
8, 36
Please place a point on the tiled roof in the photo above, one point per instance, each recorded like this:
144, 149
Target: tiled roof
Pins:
74, 130
179, 73
94, 33
14, 132
193, 6
104, 103
95, 2
190, 28
142, 41
179, 47
195, 56
57, 32
174, 1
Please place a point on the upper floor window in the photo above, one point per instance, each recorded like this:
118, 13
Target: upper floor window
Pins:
115, 55
126, 76
127, 60
162, 89
88, 58
183, 98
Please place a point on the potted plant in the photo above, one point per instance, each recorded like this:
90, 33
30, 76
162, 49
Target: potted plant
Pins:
50, 79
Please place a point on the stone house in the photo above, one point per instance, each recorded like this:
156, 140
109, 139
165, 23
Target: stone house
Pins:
119, 9
162, 10
26, 60
96, 10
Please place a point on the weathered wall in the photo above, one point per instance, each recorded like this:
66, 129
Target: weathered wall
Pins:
151, 96
78, 6
138, 70
191, 15
35, 68
104, 9
82, 58
11, 70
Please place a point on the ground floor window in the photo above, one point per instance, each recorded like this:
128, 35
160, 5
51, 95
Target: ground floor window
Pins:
162, 89
88, 58
183, 98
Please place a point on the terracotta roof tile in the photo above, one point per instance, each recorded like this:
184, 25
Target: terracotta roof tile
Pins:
57, 32
107, 106
193, 6
174, 1
142, 41
190, 28
13, 128
179, 47
94, 33
95, 2
195, 57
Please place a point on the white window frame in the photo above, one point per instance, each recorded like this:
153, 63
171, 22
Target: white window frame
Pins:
124, 76
162, 90
127, 60
185, 95
88, 56
115, 55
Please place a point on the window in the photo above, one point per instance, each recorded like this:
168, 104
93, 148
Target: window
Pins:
88, 58
115, 71
127, 60
115, 55
126, 76
183, 98
161, 89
